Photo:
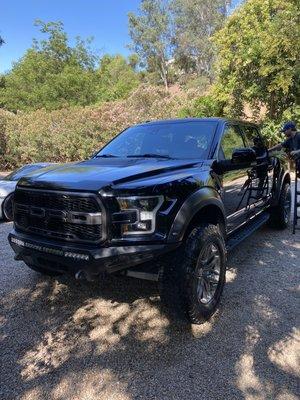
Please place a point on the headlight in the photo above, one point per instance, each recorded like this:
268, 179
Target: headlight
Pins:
144, 210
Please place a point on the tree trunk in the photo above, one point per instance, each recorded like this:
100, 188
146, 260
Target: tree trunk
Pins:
164, 74
166, 85
164, 78
272, 106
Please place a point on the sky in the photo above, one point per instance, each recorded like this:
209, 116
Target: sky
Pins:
105, 20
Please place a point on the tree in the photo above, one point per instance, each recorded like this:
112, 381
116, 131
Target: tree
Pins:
51, 74
1, 41
258, 60
134, 61
150, 32
116, 78
195, 23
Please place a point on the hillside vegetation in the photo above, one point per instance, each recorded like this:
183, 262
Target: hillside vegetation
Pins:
189, 58
75, 133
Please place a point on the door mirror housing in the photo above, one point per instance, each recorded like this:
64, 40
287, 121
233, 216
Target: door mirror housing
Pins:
244, 156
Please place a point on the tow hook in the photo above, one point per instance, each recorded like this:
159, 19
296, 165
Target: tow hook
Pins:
86, 276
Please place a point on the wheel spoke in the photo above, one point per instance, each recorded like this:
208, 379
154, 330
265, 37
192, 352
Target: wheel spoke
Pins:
208, 273
200, 288
214, 262
210, 261
207, 292
206, 255
214, 277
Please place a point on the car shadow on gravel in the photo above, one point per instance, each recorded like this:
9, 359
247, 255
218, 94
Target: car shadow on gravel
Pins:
63, 339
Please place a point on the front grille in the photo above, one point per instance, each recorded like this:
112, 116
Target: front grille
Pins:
60, 215
57, 201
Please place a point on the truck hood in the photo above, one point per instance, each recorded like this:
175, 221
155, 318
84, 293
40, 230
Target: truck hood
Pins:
99, 173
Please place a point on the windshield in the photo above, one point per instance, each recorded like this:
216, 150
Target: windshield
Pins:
181, 140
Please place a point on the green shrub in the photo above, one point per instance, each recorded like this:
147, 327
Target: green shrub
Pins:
5, 116
204, 106
116, 78
75, 133
271, 129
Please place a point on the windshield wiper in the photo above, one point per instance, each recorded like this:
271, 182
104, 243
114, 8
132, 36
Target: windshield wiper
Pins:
148, 155
106, 156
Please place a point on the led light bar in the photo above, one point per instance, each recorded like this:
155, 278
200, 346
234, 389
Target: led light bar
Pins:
68, 254
77, 256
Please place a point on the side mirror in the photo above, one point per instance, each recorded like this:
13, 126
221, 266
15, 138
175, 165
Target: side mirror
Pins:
243, 156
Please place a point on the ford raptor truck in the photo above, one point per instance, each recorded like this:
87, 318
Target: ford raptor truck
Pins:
164, 200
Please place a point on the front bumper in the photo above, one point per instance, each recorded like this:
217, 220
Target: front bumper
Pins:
89, 261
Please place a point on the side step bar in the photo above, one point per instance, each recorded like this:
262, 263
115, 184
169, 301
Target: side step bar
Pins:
249, 228
147, 276
148, 271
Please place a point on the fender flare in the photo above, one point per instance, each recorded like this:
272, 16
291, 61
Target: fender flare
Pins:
193, 204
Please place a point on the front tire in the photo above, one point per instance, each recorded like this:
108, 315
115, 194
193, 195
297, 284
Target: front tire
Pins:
192, 282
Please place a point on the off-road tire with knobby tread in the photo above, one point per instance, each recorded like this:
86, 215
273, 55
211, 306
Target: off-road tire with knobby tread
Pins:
177, 278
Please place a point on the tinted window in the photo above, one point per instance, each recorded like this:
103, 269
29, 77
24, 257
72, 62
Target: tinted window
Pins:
175, 140
231, 140
252, 136
254, 140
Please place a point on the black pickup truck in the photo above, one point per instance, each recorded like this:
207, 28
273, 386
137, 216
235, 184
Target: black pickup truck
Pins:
164, 200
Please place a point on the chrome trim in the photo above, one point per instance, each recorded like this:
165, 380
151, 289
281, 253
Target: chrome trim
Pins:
90, 218
73, 217
99, 218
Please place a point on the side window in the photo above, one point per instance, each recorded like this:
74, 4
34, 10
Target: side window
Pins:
231, 140
252, 136
254, 140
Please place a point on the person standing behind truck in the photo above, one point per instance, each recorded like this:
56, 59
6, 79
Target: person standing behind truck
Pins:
292, 142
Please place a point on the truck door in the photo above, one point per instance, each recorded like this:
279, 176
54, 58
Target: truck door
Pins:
234, 181
262, 172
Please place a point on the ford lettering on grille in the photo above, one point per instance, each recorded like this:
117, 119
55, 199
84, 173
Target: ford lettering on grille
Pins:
70, 217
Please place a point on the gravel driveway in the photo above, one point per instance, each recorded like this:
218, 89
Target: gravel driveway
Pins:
61, 339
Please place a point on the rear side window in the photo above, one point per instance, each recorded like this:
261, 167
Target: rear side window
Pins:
252, 136
254, 140
232, 139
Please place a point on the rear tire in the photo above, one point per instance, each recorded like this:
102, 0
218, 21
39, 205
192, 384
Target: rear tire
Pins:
281, 214
192, 281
